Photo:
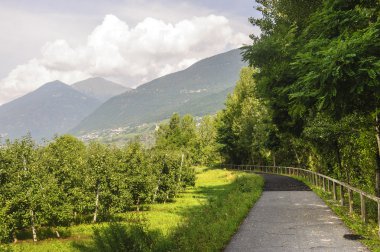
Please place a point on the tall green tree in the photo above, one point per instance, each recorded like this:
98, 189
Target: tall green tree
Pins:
338, 68
245, 123
100, 166
65, 159
140, 174
319, 58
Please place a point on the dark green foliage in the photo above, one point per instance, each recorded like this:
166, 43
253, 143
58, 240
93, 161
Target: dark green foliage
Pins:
318, 73
244, 125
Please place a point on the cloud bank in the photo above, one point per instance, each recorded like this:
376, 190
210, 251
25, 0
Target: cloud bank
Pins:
128, 55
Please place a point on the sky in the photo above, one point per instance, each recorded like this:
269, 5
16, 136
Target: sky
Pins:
126, 41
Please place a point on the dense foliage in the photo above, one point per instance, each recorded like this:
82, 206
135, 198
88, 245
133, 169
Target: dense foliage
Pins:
317, 83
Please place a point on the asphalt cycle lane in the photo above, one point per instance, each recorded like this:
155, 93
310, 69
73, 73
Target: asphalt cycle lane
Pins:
291, 217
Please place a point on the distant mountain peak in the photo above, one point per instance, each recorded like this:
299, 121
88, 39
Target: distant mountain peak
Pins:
53, 108
99, 88
55, 83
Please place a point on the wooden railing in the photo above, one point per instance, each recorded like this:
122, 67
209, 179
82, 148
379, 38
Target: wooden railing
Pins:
324, 182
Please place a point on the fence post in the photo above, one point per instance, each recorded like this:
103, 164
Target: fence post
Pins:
362, 206
334, 190
324, 184
328, 185
315, 179
350, 201
341, 195
378, 215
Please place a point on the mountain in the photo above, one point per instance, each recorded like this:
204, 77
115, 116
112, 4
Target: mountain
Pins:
53, 108
182, 91
99, 88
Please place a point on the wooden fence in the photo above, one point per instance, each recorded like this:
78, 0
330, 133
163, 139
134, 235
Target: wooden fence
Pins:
324, 182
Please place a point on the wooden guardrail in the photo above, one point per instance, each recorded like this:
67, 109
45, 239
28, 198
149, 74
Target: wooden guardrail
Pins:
319, 180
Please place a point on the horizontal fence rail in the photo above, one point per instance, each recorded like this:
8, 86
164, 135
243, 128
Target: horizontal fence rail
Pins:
324, 182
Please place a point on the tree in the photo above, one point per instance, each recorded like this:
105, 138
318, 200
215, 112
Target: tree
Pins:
140, 175
318, 58
30, 195
100, 165
338, 68
207, 147
244, 123
64, 158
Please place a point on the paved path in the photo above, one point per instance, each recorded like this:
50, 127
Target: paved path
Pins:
290, 217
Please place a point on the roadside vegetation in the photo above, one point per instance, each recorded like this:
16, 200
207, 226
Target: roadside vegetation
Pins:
311, 95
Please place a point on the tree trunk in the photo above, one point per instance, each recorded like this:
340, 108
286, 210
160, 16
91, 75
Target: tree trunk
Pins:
138, 204
339, 158
156, 190
377, 129
180, 168
15, 240
34, 232
96, 204
297, 157
57, 233
274, 158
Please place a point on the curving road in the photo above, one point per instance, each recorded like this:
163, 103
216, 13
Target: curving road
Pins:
290, 217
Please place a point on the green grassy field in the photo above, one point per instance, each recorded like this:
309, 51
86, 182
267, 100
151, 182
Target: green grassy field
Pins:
207, 215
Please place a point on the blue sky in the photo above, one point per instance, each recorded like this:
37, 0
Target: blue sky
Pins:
44, 40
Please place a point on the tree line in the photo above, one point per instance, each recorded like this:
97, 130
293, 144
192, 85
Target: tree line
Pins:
66, 182
311, 95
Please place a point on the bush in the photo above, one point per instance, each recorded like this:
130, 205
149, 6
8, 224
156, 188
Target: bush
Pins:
123, 237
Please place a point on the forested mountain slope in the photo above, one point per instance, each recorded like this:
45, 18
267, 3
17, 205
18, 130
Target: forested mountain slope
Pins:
176, 92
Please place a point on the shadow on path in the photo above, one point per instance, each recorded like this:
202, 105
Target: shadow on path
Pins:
275, 182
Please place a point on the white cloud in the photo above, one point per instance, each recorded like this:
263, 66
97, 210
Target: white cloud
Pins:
129, 55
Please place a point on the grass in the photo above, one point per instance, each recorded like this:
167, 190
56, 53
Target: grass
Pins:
368, 231
203, 218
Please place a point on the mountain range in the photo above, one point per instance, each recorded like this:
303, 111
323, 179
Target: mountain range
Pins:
55, 107
98, 105
198, 90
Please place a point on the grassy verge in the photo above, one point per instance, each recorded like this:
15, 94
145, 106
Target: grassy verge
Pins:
202, 218
211, 227
368, 231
